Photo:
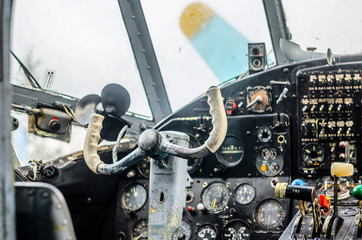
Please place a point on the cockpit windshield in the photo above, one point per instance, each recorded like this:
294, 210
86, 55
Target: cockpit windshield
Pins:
78, 47
204, 43
337, 26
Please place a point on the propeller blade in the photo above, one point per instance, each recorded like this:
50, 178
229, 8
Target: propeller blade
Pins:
115, 100
111, 128
85, 107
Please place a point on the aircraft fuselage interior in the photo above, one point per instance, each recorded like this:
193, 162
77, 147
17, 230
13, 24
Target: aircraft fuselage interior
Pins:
271, 154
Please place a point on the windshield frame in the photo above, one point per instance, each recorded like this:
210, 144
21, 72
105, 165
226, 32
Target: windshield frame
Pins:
141, 43
277, 28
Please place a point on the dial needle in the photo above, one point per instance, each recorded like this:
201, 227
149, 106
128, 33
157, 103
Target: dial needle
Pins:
135, 191
213, 205
136, 238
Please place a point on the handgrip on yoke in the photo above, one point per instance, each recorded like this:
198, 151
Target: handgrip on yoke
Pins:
214, 141
219, 120
91, 156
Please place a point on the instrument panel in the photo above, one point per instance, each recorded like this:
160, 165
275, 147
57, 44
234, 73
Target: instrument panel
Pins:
226, 199
286, 123
329, 116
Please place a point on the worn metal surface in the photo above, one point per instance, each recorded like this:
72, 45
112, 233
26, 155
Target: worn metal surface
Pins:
168, 181
145, 57
7, 206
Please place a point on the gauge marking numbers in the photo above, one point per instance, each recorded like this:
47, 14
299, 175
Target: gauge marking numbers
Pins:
215, 197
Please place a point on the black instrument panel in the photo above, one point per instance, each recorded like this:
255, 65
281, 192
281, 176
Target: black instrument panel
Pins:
265, 142
232, 189
329, 116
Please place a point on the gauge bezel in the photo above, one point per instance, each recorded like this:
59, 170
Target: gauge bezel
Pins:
258, 155
124, 206
283, 216
205, 224
208, 186
237, 220
139, 169
269, 137
190, 227
311, 144
138, 222
235, 193
222, 160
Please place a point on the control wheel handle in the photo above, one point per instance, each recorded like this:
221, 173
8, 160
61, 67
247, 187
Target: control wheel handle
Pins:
155, 144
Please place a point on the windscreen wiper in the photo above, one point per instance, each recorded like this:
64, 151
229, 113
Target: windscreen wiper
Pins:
33, 82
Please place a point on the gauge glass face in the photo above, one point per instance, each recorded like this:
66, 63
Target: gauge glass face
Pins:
134, 197
184, 229
244, 194
231, 151
270, 214
215, 197
206, 232
264, 134
236, 230
314, 153
144, 166
269, 161
140, 230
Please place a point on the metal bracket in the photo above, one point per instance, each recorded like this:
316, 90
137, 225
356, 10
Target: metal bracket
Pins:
168, 182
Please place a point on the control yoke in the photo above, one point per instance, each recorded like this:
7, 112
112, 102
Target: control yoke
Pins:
154, 143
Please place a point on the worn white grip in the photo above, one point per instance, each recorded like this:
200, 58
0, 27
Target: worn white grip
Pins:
340, 169
91, 156
219, 121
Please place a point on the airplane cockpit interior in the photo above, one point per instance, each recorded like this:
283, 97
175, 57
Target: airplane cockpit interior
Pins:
181, 120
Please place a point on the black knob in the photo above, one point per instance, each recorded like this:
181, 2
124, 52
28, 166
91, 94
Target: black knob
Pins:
54, 125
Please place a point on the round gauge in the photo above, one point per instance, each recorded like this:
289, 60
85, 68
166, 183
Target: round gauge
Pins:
244, 193
269, 161
236, 230
134, 197
270, 214
206, 232
184, 229
215, 197
264, 134
313, 153
231, 151
144, 166
140, 230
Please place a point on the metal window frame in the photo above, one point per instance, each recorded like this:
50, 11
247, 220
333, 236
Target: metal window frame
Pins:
7, 197
277, 27
145, 57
